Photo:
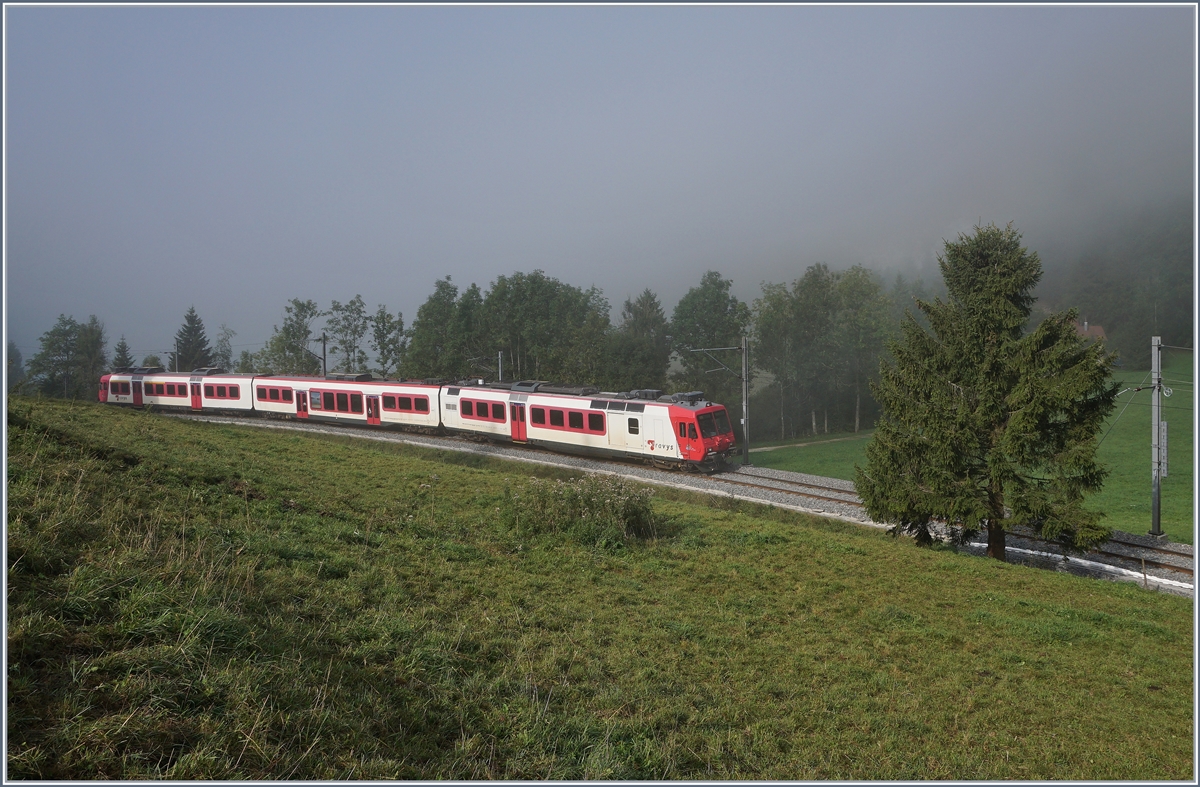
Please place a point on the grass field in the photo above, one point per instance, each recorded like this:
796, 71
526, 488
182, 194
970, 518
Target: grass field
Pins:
1125, 450
202, 601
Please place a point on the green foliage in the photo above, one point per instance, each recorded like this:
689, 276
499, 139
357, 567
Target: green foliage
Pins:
71, 360
708, 315
121, 356
15, 366
433, 346
152, 360
347, 325
985, 426
191, 345
288, 351
203, 601
640, 347
222, 354
388, 341
602, 511
821, 342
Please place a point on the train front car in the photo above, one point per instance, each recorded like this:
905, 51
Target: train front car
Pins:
703, 430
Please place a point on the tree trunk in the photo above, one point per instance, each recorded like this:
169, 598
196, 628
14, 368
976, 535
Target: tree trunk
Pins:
826, 422
814, 419
995, 547
857, 396
782, 428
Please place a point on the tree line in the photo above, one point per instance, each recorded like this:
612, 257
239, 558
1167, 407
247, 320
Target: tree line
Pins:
814, 344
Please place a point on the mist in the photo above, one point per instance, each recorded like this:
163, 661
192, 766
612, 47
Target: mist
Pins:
231, 158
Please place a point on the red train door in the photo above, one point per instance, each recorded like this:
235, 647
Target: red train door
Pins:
196, 404
518, 422
137, 393
373, 410
302, 404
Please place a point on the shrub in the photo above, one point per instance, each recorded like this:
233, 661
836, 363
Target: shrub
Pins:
604, 511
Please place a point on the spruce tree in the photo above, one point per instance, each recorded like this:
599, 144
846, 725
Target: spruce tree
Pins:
121, 356
192, 350
984, 425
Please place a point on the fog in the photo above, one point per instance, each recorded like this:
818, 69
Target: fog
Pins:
232, 158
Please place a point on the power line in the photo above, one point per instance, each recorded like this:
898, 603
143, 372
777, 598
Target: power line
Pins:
1118, 418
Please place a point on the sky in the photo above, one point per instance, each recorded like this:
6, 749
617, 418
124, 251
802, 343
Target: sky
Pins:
232, 158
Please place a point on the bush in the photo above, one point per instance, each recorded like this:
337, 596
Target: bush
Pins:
604, 511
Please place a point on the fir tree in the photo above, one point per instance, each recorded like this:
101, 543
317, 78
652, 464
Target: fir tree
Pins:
192, 350
121, 356
985, 426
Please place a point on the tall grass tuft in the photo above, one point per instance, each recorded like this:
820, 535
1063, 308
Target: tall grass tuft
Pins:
602, 511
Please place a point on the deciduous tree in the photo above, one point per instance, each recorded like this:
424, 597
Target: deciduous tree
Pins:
288, 350
222, 354
985, 426
388, 340
347, 326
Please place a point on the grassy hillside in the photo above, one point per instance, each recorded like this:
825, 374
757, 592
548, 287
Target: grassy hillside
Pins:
207, 601
1125, 450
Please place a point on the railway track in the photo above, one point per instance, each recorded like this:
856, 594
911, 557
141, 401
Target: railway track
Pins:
1125, 556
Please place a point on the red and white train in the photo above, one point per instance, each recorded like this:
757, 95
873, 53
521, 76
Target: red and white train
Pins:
681, 430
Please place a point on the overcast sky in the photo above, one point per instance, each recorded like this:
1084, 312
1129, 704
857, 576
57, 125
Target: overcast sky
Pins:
232, 158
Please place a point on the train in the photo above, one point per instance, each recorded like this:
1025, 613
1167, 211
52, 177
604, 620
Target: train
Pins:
681, 430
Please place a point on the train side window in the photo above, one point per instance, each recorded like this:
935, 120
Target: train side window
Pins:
209, 392
389, 402
356, 403
114, 387
537, 415
343, 403
574, 419
326, 400
468, 407
422, 404
556, 417
633, 426
497, 411
262, 393
405, 402
286, 393
595, 422
221, 392
125, 388
692, 432
314, 400
274, 393
233, 392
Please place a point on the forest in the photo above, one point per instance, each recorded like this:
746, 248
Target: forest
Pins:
816, 343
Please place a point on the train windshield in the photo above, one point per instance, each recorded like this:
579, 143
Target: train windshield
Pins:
711, 426
722, 419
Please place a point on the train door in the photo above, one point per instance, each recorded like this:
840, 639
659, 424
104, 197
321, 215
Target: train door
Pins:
373, 410
518, 422
196, 402
301, 404
137, 393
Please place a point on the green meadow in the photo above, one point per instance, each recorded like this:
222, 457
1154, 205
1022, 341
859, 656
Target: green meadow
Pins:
210, 601
1124, 450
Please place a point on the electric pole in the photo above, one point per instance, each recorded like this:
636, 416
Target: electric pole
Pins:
1157, 433
744, 349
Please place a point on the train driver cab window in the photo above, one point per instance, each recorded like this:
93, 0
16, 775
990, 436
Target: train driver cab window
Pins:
537, 415
683, 430
497, 411
692, 432
556, 417
633, 426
